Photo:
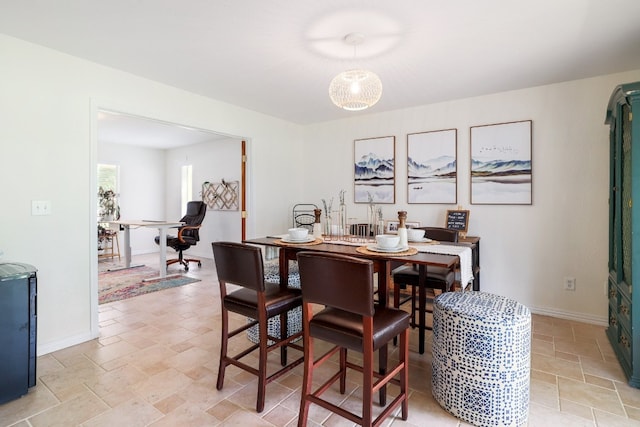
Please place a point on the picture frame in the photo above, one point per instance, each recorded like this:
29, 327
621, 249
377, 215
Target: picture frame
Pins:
458, 219
501, 163
391, 225
374, 170
432, 167
221, 196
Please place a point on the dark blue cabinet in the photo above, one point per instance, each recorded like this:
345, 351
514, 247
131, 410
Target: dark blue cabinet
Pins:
18, 321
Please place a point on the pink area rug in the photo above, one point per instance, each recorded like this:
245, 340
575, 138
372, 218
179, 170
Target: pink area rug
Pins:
128, 283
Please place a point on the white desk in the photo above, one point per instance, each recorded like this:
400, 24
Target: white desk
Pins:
162, 227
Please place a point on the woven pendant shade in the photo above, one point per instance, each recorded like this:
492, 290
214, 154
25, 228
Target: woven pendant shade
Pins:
355, 90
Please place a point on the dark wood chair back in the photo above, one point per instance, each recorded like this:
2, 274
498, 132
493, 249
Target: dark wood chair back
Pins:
239, 264
337, 281
440, 234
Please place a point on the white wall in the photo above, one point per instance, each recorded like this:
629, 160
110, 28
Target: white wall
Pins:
212, 162
150, 188
49, 103
142, 189
526, 250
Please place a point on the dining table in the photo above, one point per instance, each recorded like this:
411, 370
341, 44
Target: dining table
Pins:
383, 264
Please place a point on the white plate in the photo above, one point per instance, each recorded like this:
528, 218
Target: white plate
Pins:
307, 239
423, 240
376, 248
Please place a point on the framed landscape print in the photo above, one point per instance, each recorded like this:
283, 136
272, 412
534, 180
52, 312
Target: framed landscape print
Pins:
374, 170
501, 163
432, 167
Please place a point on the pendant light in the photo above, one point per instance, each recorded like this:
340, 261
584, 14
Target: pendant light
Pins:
355, 89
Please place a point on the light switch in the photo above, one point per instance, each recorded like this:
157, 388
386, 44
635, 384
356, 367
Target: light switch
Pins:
41, 207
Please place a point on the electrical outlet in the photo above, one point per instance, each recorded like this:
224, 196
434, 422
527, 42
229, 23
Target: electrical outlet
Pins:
569, 283
40, 207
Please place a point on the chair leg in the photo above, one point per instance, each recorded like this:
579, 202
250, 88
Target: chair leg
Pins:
367, 387
117, 244
262, 366
382, 369
223, 348
188, 260
307, 379
343, 370
404, 375
283, 335
414, 307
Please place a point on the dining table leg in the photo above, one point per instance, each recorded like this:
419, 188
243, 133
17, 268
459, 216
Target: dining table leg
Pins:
422, 306
284, 283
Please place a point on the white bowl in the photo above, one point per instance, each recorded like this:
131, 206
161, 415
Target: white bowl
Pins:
387, 241
298, 233
415, 234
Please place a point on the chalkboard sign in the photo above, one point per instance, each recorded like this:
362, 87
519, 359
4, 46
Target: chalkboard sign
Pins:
458, 220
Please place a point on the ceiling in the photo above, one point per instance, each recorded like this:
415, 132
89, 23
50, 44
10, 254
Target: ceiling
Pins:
116, 128
277, 57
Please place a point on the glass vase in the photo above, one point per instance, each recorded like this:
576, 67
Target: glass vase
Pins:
327, 224
372, 220
380, 223
343, 229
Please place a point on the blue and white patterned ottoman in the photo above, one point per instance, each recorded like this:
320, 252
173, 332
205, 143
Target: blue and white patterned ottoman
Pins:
482, 357
294, 317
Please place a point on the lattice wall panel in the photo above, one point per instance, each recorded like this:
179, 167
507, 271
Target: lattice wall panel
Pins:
221, 196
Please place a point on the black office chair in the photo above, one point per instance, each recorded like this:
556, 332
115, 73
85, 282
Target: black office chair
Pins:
188, 234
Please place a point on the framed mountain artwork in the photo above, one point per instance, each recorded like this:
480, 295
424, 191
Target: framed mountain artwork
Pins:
374, 170
501, 164
432, 167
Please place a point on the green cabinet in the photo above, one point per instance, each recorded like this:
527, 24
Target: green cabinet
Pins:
624, 228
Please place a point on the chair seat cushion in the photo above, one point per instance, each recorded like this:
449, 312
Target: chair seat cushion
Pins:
245, 301
345, 329
175, 243
437, 277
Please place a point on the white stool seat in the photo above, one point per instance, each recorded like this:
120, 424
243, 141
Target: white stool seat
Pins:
482, 358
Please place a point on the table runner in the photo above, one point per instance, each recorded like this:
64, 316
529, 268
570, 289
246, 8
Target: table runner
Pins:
462, 252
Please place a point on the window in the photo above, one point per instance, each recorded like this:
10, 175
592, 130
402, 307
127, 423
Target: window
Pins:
187, 186
107, 179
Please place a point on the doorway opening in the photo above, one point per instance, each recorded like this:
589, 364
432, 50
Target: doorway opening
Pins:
152, 157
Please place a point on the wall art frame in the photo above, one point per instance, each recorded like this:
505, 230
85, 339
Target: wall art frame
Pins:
374, 170
501, 163
432, 167
221, 196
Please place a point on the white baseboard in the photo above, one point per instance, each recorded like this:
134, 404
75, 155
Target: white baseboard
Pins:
578, 317
67, 342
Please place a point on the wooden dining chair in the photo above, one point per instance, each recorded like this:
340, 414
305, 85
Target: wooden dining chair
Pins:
349, 321
240, 264
439, 279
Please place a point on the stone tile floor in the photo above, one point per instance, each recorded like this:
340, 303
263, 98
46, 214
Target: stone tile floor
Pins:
155, 364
